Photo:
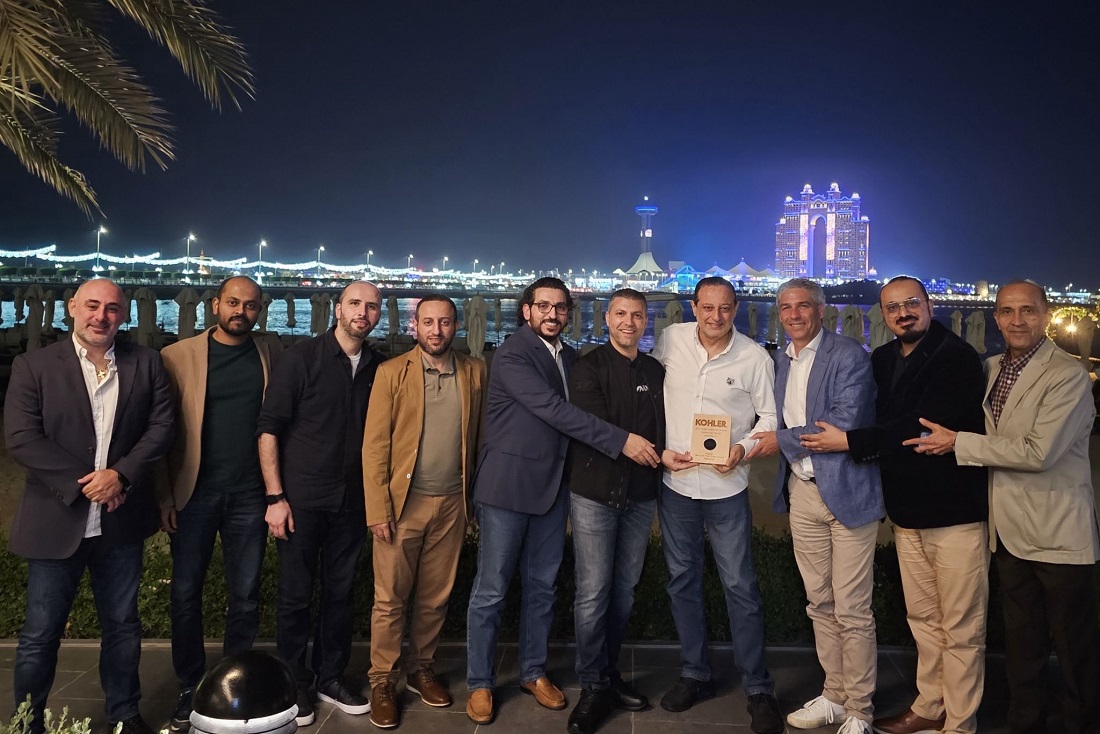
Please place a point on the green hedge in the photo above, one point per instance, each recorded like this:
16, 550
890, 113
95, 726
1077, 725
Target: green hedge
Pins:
780, 584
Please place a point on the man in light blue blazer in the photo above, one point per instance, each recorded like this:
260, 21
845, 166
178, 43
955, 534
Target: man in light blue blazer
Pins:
835, 504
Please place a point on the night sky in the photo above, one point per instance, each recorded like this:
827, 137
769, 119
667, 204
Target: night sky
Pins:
528, 131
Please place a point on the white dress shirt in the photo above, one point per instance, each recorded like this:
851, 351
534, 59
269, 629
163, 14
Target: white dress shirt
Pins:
555, 352
738, 382
103, 397
794, 398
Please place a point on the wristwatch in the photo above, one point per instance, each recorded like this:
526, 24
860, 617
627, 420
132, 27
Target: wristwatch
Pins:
274, 499
124, 481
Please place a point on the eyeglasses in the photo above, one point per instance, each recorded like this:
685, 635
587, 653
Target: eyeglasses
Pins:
909, 304
545, 306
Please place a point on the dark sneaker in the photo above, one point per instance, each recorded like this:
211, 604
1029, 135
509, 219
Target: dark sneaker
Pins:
132, 725
305, 714
626, 697
181, 717
686, 693
764, 714
342, 696
590, 711
383, 706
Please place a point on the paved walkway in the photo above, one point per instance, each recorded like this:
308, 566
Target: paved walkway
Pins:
654, 668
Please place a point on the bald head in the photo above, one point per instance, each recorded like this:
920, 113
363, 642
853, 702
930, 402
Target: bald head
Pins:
97, 311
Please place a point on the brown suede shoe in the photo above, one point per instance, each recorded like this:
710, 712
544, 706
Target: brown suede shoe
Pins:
546, 693
908, 723
479, 706
383, 706
432, 692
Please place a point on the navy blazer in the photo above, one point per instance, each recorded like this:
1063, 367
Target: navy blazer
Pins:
841, 391
528, 424
48, 429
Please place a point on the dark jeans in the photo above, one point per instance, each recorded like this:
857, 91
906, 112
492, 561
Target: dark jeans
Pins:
327, 542
238, 516
51, 586
728, 525
610, 547
508, 539
1045, 602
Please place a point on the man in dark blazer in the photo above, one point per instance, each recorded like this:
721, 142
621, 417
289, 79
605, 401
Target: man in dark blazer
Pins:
939, 508
834, 504
520, 499
87, 418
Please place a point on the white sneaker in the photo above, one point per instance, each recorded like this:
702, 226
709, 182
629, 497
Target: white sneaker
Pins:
852, 725
815, 713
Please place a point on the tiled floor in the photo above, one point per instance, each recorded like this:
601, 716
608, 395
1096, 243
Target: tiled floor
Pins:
654, 668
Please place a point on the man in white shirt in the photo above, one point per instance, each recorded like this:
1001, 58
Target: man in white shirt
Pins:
87, 419
835, 504
711, 369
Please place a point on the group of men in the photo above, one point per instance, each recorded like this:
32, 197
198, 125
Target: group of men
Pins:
326, 444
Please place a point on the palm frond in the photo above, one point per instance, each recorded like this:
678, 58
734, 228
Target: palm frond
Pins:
34, 142
196, 37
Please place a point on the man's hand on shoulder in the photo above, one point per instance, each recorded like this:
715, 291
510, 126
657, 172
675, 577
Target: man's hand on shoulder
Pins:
641, 451
280, 520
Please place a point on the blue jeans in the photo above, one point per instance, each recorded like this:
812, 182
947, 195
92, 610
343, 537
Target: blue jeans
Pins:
728, 525
51, 586
536, 544
610, 547
238, 515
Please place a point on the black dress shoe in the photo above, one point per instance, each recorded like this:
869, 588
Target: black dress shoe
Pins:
133, 725
626, 697
590, 711
686, 693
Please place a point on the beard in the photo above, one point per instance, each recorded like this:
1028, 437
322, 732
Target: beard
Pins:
912, 336
435, 349
236, 326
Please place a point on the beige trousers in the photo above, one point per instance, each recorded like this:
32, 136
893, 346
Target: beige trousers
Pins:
945, 576
423, 553
837, 567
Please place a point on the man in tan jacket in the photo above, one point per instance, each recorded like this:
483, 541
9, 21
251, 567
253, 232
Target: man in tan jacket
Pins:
213, 484
419, 449
1042, 511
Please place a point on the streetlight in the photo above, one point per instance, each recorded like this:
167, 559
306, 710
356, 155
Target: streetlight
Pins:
445, 259
492, 268
187, 260
320, 249
409, 263
98, 233
369, 253
259, 259
501, 271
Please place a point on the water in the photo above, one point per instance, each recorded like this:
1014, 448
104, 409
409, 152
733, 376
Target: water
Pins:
168, 313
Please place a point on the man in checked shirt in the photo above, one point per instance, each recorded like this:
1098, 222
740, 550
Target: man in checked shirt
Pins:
1042, 510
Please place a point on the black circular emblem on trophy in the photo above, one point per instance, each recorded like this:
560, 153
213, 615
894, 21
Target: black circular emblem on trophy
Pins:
710, 444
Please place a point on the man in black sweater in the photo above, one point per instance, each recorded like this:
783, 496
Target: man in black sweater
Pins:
940, 508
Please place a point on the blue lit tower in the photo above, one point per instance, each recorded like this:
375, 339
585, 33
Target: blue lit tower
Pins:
646, 211
822, 236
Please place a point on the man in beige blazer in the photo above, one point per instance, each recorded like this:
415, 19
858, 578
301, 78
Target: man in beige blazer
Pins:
213, 484
419, 449
1042, 510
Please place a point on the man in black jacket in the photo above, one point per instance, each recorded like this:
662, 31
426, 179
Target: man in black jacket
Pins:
940, 508
612, 505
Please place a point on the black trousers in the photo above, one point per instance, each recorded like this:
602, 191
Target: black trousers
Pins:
1045, 603
325, 544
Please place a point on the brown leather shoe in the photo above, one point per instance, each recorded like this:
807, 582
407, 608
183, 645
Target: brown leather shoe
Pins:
479, 706
908, 723
383, 706
546, 693
432, 692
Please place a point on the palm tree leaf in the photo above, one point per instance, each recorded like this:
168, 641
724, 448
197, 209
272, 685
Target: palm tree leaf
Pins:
34, 144
196, 37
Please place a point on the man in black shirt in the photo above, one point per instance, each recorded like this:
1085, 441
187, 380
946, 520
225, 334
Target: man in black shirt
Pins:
940, 508
213, 485
311, 438
612, 505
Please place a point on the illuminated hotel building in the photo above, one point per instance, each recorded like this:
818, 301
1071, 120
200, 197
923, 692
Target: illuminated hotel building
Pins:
822, 236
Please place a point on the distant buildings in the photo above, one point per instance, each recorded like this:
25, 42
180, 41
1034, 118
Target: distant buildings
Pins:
822, 237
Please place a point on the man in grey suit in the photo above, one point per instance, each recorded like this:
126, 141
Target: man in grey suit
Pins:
520, 499
87, 419
1042, 511
835, 504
